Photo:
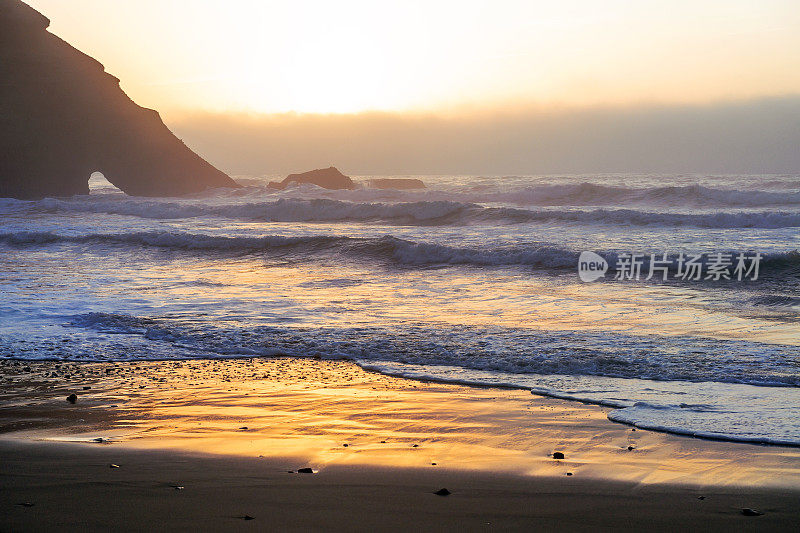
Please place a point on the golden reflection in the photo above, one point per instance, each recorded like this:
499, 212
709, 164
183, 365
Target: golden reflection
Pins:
320, 413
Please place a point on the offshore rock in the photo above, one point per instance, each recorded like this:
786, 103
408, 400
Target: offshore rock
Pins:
328, 178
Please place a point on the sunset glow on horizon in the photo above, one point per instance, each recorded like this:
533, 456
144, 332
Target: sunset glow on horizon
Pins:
320, 57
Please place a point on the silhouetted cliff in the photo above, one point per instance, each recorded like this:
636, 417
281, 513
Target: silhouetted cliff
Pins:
63, 117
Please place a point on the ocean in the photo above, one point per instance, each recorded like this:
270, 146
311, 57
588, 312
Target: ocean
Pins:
472, 280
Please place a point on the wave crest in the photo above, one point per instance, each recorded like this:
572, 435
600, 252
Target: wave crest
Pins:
387, 248
424, 213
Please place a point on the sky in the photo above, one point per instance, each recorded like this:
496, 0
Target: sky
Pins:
350, 56
385, 71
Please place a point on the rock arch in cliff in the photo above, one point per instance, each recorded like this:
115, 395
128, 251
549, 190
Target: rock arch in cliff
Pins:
63, 117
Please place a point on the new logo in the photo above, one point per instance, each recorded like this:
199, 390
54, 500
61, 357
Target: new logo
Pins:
591, 266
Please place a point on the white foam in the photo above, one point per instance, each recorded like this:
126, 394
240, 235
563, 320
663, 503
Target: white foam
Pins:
440, 212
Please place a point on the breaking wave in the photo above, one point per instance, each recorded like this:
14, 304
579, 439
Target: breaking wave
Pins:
677, 196
441, 212
387, 248
573, 353
509, 191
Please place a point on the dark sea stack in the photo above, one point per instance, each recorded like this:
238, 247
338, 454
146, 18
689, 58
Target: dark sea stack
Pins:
396, 183
63, 117
327, 178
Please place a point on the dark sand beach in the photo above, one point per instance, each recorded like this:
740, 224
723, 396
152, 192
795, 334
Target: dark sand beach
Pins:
234, 433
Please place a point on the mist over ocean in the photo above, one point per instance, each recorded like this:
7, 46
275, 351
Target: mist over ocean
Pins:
472, 280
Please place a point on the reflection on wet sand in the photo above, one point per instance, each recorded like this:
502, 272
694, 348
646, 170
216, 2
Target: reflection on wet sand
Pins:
325, 413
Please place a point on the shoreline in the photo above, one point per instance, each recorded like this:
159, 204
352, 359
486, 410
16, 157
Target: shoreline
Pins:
371, 367
229, 432
677, 432
335, 412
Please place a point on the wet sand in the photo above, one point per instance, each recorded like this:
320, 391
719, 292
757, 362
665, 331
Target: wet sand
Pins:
230, 432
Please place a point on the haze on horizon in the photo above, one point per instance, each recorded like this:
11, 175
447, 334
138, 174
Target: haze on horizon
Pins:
532, 86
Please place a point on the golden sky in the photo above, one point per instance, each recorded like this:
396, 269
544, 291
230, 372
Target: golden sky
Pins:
346, 56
